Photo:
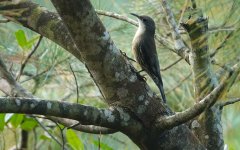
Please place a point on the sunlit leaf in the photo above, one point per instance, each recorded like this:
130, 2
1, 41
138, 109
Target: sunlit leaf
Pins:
103, 146
74, 141
28, 124
2, 122
44, 137
16, 120
21, 38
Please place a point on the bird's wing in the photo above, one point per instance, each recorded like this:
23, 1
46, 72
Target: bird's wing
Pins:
149, 57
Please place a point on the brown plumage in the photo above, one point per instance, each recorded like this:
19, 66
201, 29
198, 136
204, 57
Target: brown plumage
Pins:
144, 50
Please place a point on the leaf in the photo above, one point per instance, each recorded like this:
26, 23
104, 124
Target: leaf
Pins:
44, 137
21, 38
29, 124
2, 122
103, 146
32, 41
74, 141
16, 120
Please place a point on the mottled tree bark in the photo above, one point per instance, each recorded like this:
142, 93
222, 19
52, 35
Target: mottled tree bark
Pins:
209, 130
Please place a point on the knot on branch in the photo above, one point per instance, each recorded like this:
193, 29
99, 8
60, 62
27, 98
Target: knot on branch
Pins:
194, 22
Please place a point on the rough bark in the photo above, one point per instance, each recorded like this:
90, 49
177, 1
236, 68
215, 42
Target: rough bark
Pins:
209, 130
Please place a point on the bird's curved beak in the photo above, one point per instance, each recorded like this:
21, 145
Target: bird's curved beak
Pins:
135, 15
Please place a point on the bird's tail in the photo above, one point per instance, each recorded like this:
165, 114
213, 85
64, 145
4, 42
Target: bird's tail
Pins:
159, 83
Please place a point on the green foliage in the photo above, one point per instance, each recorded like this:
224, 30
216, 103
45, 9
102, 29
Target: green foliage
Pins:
73, 140
2, 122
102, 146
29, 124
22, 40
16, 120
44, 137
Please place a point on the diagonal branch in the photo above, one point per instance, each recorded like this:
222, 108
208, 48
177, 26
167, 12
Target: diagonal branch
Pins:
28, 57
190, 113
174, 63
229, 102
117, 16
179, 44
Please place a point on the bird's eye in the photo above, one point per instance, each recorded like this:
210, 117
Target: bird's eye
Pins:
144, 20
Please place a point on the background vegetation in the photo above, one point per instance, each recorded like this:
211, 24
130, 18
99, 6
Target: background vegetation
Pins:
50, 71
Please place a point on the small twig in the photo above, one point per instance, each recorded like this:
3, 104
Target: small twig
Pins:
35, 139
99, 142
179, 83
83, 128
231, 13
182, 13
117, 16
225, 66
62, 135
28, 57
174, 63
229, 102
44, 71
125, 55
74, 125
222, 44
178, 41
221, 28
75, 78
42, 126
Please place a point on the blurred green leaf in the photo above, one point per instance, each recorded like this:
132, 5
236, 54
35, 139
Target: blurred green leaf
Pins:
32, 41
16, 120
74, 141
103, 146
21, 38
2, 122
29, 124
44, 137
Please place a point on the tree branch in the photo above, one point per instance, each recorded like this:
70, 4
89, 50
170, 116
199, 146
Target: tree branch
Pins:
116, 78
222, 44
84, 128
28, 57
174, 63
229, 102
114, 118
117, 16
190, 113
180, 47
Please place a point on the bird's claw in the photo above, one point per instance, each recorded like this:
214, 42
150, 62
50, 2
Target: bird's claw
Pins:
141, 77
125, 55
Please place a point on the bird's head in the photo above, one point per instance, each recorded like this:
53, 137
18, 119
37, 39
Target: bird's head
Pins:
145, 23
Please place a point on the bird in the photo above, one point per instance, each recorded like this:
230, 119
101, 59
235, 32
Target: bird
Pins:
144, 50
